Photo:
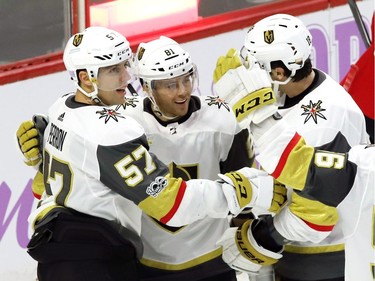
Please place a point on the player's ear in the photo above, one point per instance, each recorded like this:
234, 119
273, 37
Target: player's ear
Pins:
278, 74
84, 78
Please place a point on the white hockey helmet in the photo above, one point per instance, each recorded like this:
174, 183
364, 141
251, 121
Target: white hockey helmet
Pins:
94, 48
161, 59
279, 37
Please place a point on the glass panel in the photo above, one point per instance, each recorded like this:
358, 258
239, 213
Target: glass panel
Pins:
31, 28
134, 17
213, 7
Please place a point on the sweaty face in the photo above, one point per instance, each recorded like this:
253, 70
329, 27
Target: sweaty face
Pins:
173, 95
112, 82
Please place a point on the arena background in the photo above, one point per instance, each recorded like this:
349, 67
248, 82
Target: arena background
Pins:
337, 44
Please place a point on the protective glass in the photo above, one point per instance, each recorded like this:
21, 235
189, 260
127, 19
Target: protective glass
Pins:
188, 81
114, 77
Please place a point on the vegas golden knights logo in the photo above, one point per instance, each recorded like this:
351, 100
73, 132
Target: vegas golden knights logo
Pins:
268, 36
77, 40
140, 53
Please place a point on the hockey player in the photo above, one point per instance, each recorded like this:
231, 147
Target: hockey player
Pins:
334, 178
310, 101
98, 173
197, 137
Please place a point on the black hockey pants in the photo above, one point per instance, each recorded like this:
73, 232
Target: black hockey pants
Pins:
72, 246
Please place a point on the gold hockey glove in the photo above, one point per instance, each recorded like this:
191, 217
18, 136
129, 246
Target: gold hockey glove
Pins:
242, 252
249, 187
30, 139
245, 87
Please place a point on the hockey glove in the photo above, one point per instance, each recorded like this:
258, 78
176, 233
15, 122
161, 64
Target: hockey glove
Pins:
279, 198
249, 187
246, 88
241, 251
30, 139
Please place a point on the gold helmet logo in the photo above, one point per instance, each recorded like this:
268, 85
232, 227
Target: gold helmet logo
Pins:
140, 53
77, 40
268, 36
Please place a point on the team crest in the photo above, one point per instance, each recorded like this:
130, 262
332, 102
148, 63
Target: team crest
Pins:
140, 53
77, 40
128, 102
269, 36
211, 100
313, 111
109, 114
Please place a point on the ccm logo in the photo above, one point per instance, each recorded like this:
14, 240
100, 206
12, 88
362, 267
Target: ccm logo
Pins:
176, 65
253, 101
123, 52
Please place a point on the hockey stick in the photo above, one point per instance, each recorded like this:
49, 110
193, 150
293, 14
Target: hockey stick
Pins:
358, 19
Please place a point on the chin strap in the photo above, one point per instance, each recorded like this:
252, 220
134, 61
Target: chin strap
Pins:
275, 84
156, 108
93, 95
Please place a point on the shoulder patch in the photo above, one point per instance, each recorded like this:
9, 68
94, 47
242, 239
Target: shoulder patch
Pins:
313, 111
216, 100
128, 102
109, 114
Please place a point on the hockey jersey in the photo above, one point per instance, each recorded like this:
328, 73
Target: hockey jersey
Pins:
344, 179
318, 114
205, 142
92, 154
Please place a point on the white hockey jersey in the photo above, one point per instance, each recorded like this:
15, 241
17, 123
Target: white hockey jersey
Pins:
347, 179
205, 142
319, 114
358, 213
92, 154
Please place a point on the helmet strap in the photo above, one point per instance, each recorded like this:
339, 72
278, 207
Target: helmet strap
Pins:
93, 95
155, 108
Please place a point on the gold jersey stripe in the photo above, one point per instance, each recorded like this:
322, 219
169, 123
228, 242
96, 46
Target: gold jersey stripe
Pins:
161, 205
297, 157
314, 250
313, 211
194, 262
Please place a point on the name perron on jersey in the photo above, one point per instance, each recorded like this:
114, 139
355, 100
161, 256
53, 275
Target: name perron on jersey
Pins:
93, 154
